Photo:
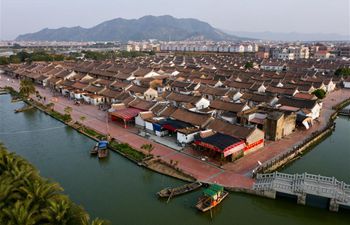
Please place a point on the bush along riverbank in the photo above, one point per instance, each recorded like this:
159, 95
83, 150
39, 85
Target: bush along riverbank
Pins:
28, 198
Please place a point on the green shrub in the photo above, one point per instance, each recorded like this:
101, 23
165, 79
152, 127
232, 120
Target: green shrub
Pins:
319, 93
127, 150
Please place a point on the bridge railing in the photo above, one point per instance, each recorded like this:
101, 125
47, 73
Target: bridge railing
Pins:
304, 182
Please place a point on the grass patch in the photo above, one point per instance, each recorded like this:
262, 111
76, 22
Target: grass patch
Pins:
92, 133
127, 150
63, 117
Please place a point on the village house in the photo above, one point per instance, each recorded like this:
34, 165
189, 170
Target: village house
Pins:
187, 101
346, 82
308, 108
228, 110
253, 137
279, 124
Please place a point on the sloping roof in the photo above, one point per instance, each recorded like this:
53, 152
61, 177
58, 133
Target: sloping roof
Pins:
177, 97
305, 96
279, 90
257, 97
158, 108
110, 93
141, 104
137, 89
191, 117
219, 141
230, 129
213, 91
227, 106
126, 114
79, 85
93, 89
168, 111
295, 102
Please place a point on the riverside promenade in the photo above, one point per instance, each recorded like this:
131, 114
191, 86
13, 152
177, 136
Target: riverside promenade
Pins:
233, 175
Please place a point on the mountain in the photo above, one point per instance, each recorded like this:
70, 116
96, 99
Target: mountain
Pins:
291, 36
147, 27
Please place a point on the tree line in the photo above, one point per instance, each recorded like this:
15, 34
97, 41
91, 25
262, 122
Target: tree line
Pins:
24, 56
99, 55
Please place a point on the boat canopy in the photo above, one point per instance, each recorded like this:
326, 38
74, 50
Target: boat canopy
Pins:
216, 187
102, 144
213, 190
209, 192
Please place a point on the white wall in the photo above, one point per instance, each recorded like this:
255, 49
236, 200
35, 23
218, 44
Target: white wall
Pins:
148, 125
202, 103
183, 138
139, 121
346, 84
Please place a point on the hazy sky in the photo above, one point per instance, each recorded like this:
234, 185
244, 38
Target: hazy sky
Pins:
307, 16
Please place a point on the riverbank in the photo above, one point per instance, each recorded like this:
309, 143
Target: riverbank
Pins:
111, 187
124, 149
232, 175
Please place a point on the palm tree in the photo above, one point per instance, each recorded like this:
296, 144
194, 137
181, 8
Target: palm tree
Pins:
148, 147
57, 212
26, 88
40, 191
98, 221
21, 213
28, 199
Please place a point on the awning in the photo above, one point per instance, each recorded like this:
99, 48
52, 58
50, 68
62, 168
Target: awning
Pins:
126, 114
173, 125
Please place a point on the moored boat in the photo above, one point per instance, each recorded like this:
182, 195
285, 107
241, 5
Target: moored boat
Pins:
100, 149
166, 192
212, 196
102, 153
94, 150
23, 109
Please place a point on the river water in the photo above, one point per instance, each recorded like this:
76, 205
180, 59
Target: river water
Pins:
123, 193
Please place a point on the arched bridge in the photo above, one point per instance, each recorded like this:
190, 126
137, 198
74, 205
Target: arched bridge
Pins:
301, 185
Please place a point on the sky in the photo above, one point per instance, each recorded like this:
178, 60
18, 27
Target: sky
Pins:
305, 16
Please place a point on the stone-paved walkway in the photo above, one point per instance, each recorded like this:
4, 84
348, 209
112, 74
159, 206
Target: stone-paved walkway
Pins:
230, 175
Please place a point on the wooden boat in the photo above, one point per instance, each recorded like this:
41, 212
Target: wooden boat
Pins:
167, 192
100, 149
212, 197
23, 109
102, 153
13, 100
94, 150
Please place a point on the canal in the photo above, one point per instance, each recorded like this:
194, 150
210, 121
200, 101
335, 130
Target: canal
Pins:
120, 191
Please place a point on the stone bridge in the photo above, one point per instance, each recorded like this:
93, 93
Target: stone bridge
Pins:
301, 185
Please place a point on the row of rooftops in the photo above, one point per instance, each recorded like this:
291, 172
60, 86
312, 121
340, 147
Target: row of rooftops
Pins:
227, 92
251, 84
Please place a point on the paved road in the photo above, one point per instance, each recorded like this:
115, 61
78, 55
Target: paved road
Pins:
230, 174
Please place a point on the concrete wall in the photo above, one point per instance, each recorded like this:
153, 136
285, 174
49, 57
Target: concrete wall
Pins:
185, 138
